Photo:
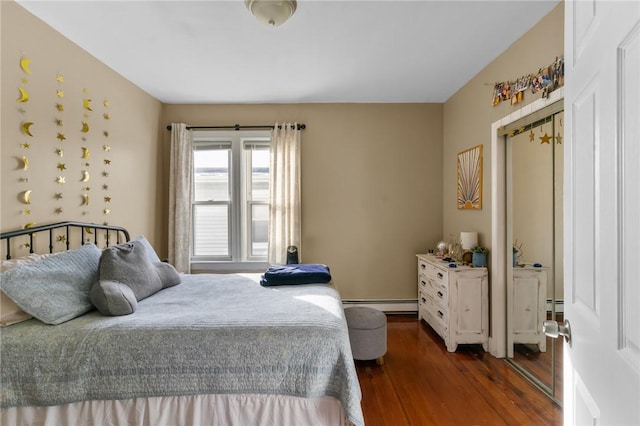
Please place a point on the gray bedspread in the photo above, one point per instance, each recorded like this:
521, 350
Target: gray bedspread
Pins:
212, 334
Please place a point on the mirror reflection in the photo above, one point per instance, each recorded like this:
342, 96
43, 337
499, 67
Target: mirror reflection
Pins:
534, 186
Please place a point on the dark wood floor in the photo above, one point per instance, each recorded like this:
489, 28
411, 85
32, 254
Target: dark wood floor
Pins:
421, 383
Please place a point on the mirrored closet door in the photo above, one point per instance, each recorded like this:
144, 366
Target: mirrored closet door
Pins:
534, 165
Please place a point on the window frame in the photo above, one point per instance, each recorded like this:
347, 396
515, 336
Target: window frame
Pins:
239, 258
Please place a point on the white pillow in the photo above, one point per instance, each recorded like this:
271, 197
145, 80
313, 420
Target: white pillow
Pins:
10, 313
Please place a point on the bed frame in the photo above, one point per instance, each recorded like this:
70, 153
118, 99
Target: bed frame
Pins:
66, 232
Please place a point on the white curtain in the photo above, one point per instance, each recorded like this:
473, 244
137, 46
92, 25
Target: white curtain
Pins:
180, 183
284, 220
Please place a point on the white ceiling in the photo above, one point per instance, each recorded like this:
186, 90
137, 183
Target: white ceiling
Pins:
330, 51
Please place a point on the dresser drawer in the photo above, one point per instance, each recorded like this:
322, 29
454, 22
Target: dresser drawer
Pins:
440, 293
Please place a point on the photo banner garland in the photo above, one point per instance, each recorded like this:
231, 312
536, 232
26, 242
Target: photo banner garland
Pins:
547, 79
470, 179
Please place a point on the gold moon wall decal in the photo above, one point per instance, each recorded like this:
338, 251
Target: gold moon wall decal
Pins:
26, 128
29, 225
25, 162
85, 127
85, 199
86, 104
25, 197
85, 176
24, 95
85, 152
24, 64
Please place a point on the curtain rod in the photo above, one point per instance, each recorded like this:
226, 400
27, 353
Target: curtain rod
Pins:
238, 127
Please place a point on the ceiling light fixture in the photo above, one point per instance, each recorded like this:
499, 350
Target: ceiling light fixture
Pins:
272, 12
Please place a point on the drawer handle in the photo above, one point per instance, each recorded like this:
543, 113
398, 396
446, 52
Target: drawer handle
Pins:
440, 314
424, 300
422, 283
440, 275
422, 266
440, 294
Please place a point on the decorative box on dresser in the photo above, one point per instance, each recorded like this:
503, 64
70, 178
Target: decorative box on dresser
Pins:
454, 301
529, 305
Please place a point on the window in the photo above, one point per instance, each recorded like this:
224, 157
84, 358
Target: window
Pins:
230, 199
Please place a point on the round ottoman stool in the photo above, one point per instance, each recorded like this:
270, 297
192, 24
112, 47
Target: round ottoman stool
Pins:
367, 333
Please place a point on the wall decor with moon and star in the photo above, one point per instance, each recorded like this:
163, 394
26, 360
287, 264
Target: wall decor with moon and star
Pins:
80, 162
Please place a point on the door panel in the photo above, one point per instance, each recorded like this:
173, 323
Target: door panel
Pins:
602, 189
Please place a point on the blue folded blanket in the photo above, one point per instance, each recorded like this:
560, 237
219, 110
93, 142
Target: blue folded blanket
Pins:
299, 273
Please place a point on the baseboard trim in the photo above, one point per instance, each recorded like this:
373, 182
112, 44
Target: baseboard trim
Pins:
390, 306
559, 305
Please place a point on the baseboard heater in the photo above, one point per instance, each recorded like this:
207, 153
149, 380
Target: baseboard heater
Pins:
390, 306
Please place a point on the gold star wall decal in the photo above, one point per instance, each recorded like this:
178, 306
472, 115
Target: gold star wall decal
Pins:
106, 134
24, 179
60, 78
61, 238
26, 145
61, 137
26, 211
106, 148
107, 161
105, 187
107, 211
58, 210
105, 174
24, 80
60, 107
531, 136
60, 93
60, 180
86, 188
559, 139
58, 196
106, 116
106, 103
107, 199
59, 122
61, 166
60, 152
545, 139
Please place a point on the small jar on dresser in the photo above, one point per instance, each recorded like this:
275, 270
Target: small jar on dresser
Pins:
454, 301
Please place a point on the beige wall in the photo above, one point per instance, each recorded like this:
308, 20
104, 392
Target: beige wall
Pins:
375, 187
133, 133
371, 186
468, 116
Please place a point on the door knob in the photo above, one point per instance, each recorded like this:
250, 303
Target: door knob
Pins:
553, 329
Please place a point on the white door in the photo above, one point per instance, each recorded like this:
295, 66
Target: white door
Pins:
602, 212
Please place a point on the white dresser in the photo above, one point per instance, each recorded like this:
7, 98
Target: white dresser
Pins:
454, 301
529, 305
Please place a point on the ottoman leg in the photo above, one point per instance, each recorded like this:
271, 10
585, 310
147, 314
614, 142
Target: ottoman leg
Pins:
380, 360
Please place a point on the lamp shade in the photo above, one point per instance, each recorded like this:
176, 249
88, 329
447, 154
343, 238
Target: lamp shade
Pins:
272, 12
468, 240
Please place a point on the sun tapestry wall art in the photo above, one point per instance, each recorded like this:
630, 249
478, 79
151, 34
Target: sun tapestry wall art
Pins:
470, 179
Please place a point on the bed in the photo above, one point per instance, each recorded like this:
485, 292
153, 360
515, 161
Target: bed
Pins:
215, 349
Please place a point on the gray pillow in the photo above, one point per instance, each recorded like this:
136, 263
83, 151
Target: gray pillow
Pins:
55, 289
127, 275
151, 253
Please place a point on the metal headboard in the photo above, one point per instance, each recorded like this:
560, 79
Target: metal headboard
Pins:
120, 234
